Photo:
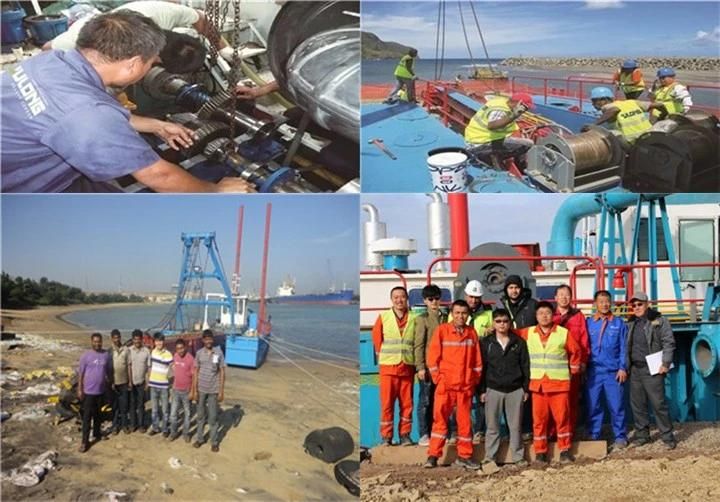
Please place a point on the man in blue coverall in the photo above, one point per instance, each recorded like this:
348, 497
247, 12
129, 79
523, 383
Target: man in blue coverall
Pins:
606, 372
62, 132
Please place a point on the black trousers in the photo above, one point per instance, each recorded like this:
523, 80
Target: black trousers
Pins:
137, 406
645, 389
91, 411
120, 406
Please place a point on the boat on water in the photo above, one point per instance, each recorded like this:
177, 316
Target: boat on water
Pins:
242, 334
286, 294
664, 245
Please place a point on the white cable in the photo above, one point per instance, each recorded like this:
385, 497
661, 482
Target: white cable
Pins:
282, 340
320, 361
350, 400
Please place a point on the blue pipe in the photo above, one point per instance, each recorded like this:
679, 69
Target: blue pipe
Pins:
579, 206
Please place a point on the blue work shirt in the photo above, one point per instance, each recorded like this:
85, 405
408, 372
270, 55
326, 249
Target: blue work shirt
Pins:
59, 123
607, 343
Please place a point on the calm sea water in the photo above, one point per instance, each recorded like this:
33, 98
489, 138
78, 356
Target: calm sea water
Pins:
332, 329
381, 72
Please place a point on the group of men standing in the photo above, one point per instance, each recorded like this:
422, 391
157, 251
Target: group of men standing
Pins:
123, 375
526, 358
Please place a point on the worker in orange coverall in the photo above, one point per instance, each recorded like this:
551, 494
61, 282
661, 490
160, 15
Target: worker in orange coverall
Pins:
554, 357
394, 341
574, 321
455, 365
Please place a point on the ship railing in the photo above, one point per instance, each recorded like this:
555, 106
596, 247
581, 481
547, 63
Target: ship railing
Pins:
626, 276
575, 87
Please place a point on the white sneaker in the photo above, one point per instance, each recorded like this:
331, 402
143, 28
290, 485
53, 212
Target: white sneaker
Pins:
452, 439
424, 440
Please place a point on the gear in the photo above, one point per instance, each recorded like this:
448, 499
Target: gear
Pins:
205, 134
217, 148
220, 100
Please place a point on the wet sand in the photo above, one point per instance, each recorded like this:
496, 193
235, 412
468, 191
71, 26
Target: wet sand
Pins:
265, 417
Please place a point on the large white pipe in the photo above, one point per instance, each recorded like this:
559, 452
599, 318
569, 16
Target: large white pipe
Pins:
438, 227
373, 230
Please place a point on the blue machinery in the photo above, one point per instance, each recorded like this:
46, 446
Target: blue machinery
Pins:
243, 345
692, 387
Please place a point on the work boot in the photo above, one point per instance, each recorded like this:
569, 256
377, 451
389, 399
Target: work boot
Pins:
430, 463
387, 441
467, 463
670, 445
215, 448
641, 441
521, 464
83, 447
152, 432
406, 441
620, 444
424, 440
541, 458
566, 457
478, 437
452, 439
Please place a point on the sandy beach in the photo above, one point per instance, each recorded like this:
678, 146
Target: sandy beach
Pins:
265, 417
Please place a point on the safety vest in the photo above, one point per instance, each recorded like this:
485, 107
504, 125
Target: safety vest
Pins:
627, 85
397, 347
631, 120
480, 321
550, 360
672, 105
402, 95
401, 69
477, 131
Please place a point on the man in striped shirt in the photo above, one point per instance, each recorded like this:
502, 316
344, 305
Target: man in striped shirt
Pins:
209, 388
157, 380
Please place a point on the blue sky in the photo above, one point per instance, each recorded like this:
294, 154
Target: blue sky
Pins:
518, 219
593, 28
133, 241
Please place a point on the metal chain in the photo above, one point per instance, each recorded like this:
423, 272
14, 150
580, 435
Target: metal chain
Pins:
234, 68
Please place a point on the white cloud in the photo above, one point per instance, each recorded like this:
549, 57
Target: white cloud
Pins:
703, 37
603, 4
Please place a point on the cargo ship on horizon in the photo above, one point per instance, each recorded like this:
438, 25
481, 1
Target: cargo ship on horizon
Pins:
286, 294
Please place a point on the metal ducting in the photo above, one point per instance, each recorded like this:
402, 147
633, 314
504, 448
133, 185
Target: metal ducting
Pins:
315, 57
438, 227
373, 230
492, 274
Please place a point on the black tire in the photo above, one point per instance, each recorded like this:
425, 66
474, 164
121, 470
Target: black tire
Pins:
347, 474
329, 445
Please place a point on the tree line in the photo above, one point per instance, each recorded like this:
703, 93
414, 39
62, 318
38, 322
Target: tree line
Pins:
19, 293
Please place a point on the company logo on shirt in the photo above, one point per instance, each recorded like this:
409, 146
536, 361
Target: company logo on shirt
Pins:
28, 91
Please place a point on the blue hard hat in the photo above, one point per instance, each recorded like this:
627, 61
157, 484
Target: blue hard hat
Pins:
665, 72
629, 64
601, 92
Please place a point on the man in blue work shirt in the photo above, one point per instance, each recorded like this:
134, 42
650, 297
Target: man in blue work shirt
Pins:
61, 131
606, 372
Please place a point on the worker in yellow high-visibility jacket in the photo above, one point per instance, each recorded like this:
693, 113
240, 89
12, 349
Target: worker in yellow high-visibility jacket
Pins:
405, 76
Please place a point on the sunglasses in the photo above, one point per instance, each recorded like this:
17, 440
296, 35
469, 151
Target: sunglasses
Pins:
502, 321
433, 299
637, 304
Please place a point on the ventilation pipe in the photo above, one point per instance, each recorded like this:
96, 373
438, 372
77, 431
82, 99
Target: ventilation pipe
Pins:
438, 222
373, 230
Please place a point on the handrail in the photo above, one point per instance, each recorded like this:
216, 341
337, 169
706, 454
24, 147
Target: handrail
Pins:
382, 272
595, 260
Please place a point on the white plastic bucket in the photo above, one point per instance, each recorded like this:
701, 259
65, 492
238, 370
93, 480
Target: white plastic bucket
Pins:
448, 169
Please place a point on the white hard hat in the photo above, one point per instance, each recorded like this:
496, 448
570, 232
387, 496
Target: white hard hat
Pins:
473, 288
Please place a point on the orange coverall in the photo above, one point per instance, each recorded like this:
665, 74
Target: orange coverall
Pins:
455, 365
551, 397
396, 383
574, 322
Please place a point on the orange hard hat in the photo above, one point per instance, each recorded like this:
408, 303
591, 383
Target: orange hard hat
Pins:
524, 98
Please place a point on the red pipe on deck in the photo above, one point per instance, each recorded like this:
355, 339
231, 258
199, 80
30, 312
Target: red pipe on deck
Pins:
459, 233
261, 320
238, 247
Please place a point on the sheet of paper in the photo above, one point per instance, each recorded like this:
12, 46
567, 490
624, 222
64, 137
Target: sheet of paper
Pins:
654, 361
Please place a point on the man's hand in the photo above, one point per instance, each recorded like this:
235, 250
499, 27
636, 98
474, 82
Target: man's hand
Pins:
175, 135
663, 369
235, 185
147, 385
621, 376
526, 395
221, 396
192, 396
247, 92
227, 54
483, 397
421, 375
80, 394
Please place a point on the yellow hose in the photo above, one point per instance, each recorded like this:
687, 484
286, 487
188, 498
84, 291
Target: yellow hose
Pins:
277, 97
